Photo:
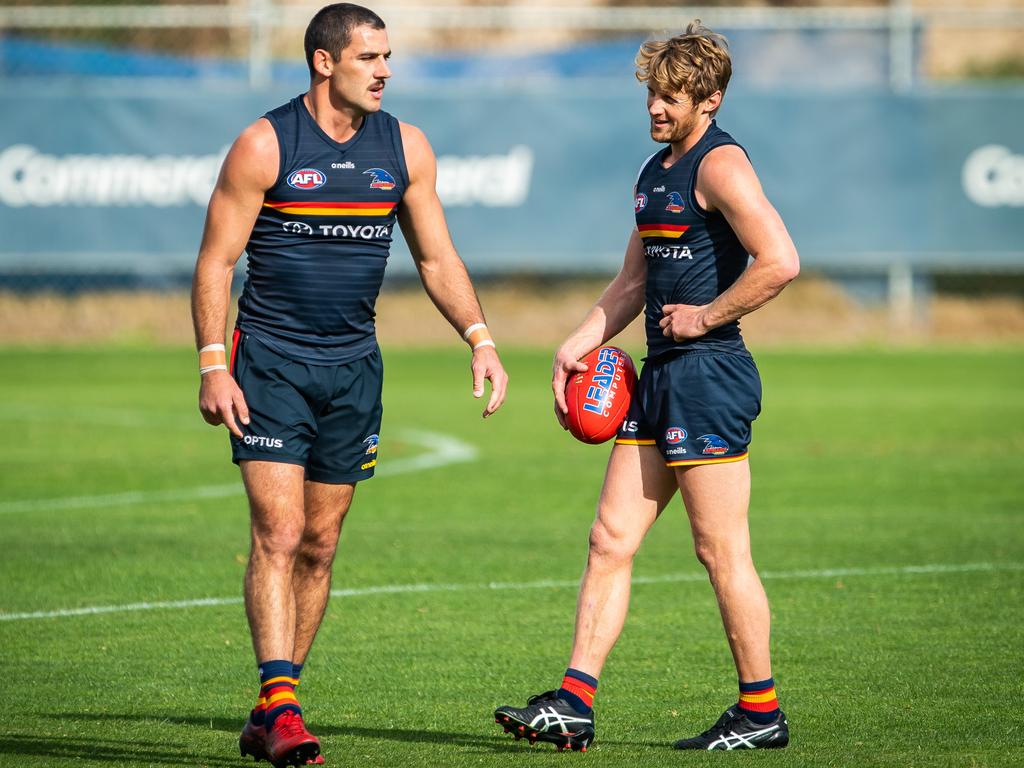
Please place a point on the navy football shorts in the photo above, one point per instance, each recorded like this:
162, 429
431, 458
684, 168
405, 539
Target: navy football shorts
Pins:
697, 407
325, 418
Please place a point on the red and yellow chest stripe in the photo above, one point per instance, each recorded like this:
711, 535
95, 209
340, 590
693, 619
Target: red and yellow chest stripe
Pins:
662, 230
321, 208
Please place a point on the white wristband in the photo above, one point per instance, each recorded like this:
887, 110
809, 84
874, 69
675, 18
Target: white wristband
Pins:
218, 367
484, 343
213, 348
473, 327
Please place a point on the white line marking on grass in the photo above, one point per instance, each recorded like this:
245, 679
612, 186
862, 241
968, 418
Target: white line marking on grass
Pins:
445, 450
127, 608
120, 499
397, 589
98, 416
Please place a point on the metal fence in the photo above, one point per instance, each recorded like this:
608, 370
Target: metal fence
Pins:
256, 33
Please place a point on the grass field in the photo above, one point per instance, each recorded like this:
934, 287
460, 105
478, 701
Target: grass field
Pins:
887, 522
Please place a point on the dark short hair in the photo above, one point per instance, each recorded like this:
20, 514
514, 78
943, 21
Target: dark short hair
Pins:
331, 29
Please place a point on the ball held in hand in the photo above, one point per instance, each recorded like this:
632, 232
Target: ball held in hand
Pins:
598, 398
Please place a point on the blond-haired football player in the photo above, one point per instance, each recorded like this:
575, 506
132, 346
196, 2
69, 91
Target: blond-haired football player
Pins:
701, 217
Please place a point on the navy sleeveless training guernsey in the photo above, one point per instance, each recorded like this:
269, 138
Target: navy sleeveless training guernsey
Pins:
320, 244
692, 255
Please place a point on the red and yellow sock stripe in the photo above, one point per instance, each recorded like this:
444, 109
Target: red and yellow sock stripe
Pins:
763, 700
579, 688
278, 697
277, 692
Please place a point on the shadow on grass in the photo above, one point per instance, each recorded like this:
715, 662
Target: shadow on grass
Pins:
127, 752
498, 742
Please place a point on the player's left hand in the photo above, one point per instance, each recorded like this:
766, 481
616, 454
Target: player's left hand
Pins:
683, 321
487, 366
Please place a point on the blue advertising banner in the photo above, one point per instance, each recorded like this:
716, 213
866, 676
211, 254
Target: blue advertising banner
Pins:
104, 178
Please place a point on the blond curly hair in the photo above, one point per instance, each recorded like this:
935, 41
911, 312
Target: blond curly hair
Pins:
696, 62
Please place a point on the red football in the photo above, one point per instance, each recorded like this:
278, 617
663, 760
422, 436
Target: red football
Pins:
598, 398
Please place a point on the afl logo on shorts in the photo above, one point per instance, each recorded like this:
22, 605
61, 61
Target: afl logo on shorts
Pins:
307, 178
381, 179
640, 202
675, 435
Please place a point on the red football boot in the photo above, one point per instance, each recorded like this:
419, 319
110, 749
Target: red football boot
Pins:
253, 740
289, 743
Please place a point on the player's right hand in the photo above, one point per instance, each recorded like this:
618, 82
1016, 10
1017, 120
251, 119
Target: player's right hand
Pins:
221, 402
564, 365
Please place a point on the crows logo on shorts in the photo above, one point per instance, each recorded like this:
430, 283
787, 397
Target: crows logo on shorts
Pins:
371, 444
714, 445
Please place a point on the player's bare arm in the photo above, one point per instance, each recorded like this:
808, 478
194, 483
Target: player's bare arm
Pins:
617, 307
726, 182
443, 273
249, 169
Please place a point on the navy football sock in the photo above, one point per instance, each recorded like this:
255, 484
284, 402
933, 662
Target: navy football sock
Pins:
277, 690
758, 701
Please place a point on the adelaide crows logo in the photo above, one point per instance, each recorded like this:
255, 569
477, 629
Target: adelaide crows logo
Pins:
675, 203
714, 445
381, 179
371, 444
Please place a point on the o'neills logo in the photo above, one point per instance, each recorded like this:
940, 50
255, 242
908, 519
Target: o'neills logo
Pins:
258, 441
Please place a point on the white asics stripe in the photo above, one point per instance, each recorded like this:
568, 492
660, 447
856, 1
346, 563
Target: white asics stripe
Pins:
738, 739
549, 717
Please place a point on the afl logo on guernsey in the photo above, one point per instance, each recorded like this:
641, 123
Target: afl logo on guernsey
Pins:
640, 202
307, 178
381, 179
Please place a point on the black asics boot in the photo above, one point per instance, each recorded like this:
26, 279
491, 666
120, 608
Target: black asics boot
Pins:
734, 730
548, 718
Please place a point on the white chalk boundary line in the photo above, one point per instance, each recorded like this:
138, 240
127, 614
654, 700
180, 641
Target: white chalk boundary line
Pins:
443, 450
395, 589
110, 418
